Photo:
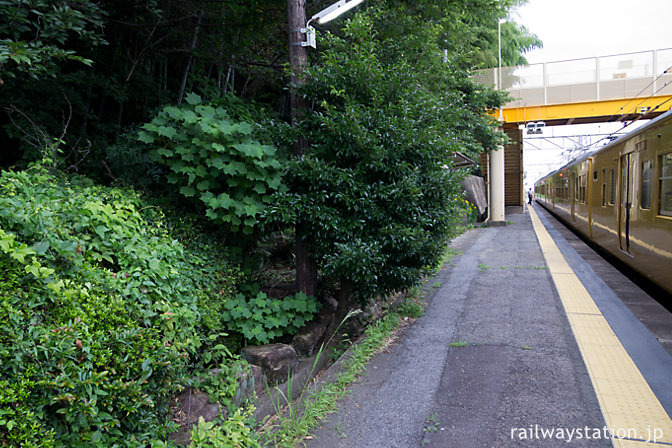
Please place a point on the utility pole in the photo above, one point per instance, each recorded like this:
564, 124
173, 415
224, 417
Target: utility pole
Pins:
306, 267
298, 58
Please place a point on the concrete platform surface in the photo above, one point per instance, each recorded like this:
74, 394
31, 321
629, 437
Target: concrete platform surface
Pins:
493, 363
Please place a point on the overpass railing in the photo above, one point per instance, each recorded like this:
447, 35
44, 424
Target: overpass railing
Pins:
622, 76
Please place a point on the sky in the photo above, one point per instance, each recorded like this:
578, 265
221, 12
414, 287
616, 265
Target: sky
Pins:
572, 29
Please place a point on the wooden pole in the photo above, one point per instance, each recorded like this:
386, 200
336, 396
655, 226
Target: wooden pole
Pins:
306, 268
298, 58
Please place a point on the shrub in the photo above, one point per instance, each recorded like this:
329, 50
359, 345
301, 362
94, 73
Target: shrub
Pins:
373, 195
234, 432
216, 161
100, 312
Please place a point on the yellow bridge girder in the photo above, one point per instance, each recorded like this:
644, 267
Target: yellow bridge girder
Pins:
588, 112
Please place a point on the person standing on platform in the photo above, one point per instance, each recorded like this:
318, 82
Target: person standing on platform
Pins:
529, 196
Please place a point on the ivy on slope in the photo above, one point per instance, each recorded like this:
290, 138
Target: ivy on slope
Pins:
101, 311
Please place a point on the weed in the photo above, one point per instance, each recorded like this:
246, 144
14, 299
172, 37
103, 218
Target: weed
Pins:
459, 343
437, 285
447, 257
343, 344
414, 293
263, 318
483, 267
526, 347
339, 430
411, 308
413, 304
301, 418
233, 432
432, 424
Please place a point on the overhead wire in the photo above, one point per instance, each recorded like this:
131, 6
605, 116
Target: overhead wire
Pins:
643, 116
611, 135
646, 87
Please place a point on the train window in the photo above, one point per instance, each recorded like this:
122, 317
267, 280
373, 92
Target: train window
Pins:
647, 174
612, 189
604, 188
582, 188
666, 184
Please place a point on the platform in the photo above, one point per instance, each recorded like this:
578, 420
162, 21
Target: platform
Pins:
522, 344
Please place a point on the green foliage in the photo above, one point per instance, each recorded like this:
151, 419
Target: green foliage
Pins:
411, 307
36, 34
469, 29
263, 319
288, 432
99, 308
99, 236
81, 381
216, 161
131, 165
372, 193
234, 432
471, 212
222, 385
138, 53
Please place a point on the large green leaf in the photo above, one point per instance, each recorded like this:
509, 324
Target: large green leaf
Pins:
192, 98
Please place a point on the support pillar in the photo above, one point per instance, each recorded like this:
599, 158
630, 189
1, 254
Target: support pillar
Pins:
496, 171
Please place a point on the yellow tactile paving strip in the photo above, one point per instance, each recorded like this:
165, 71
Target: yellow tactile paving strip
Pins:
631, 410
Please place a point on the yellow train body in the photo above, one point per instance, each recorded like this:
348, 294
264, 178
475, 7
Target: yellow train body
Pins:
620, 197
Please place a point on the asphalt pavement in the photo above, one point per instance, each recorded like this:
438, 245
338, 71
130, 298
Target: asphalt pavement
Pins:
492, 363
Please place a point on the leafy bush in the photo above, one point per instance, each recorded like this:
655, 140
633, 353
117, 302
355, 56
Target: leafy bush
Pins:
373, 193
234, 432
215, 160
100, 309
263, 319
131, 165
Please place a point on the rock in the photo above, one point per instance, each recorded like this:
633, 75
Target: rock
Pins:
306, 339
330, 302
250, 381
188, 407
276, 360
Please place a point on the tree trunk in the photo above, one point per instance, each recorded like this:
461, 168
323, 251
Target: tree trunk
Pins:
194, 40
306, 268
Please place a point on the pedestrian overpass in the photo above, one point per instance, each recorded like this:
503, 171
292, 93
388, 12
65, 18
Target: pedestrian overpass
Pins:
621, 87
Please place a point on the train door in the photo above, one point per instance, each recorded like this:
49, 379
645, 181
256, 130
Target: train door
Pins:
625, 203
572, 192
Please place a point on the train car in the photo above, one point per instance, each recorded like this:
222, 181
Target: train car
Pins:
620, 198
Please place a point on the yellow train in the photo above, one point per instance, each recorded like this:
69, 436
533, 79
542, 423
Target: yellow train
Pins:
620, 198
